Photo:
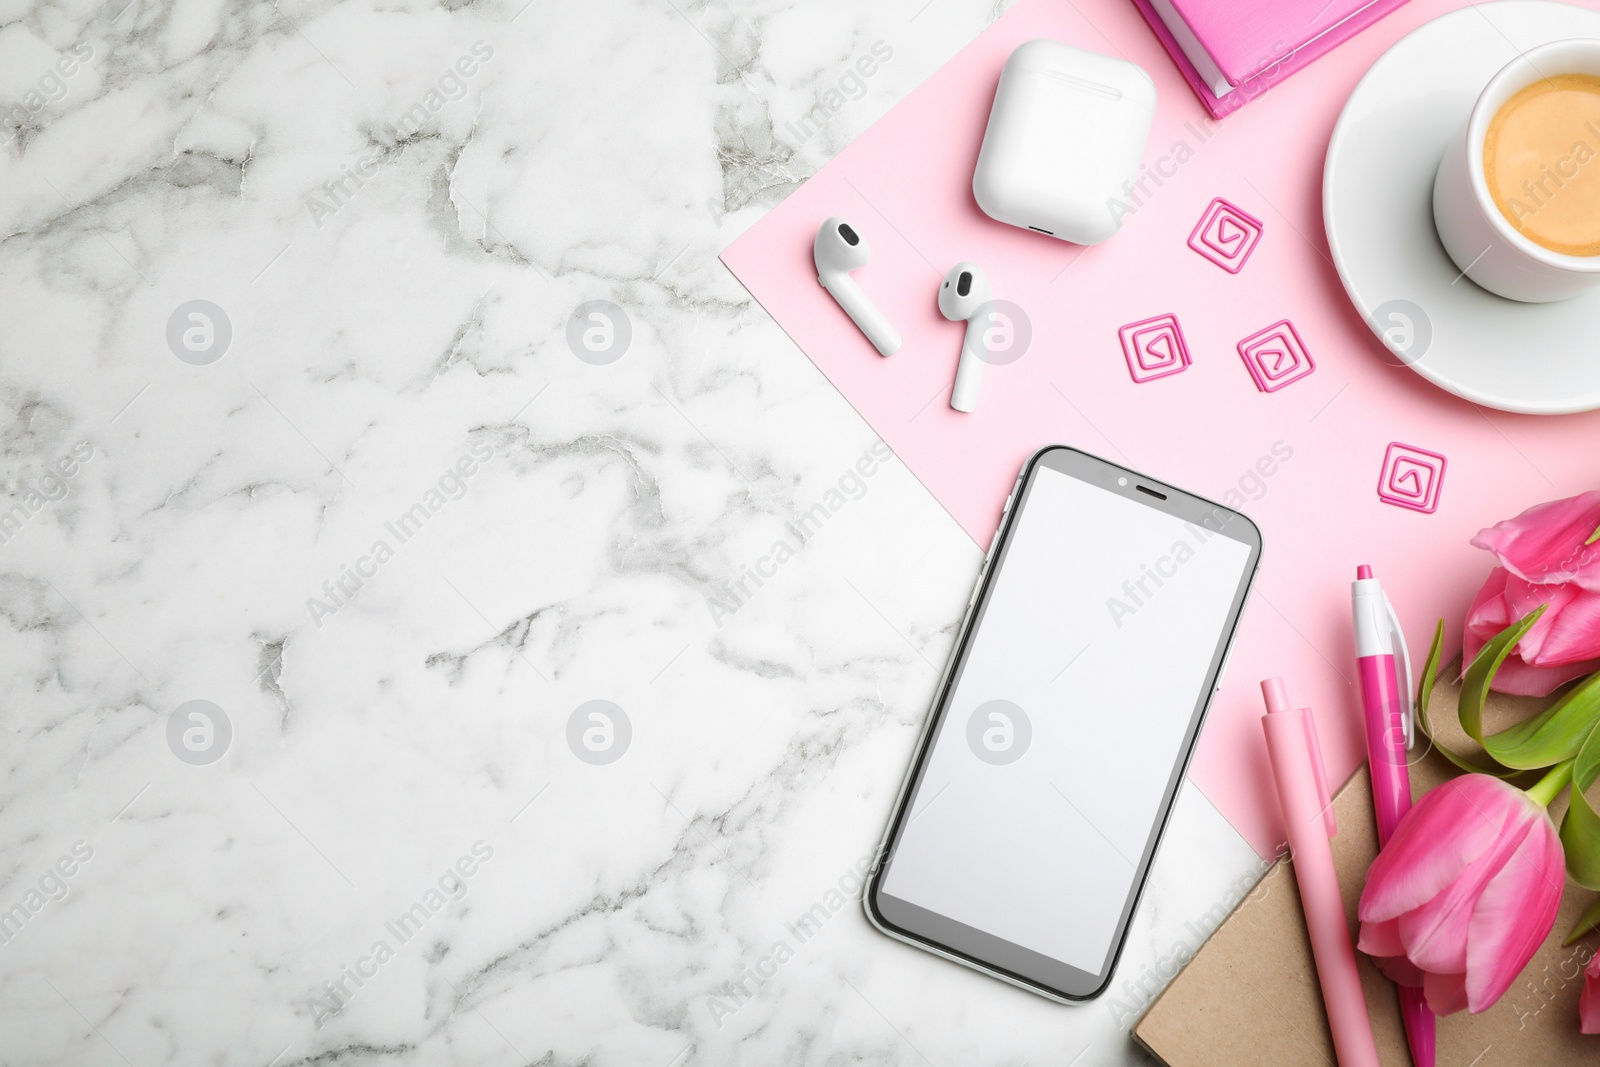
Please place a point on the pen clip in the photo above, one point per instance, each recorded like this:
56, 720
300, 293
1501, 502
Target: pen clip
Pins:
1319, 772
1408, 687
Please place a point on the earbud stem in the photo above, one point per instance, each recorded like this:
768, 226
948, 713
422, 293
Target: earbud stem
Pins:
866, 317
969, 372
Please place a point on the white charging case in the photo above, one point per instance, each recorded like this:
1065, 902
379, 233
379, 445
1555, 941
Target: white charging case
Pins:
1066, 133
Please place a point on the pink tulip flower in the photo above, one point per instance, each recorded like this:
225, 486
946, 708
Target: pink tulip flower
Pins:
1465, 892
1543, 559
1589, 1003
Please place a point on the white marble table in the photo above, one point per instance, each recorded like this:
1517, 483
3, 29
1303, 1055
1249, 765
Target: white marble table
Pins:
366, 504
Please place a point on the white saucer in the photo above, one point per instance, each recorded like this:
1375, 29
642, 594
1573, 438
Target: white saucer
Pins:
1377, 206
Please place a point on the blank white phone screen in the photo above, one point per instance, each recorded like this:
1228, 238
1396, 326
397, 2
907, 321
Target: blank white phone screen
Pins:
1048, 771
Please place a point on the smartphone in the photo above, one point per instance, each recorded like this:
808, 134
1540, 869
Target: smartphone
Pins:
1097, 633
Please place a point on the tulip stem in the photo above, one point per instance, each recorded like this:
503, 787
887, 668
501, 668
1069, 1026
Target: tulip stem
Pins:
1551, 785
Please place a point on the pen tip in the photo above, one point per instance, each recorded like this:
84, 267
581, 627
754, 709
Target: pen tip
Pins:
1363, 571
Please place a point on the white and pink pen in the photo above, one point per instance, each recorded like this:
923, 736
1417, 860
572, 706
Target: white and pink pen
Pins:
1386, 704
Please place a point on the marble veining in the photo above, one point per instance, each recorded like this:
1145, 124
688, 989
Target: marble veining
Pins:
325, 514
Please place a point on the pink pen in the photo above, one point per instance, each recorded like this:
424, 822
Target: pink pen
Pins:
1391, 732
1308, 818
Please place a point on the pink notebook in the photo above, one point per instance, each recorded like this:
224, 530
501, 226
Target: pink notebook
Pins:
1231, 51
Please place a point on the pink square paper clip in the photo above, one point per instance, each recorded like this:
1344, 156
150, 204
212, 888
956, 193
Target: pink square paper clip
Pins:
1411, 478
1276, 356
1154, 348
1226, 235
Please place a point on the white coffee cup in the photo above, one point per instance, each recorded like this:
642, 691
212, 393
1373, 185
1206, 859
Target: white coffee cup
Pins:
1481, 240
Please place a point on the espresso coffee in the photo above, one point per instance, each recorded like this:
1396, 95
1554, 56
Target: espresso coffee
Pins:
1541, 157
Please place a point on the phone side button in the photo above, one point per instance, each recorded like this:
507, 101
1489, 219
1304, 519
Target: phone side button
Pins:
1222, 672
977, 583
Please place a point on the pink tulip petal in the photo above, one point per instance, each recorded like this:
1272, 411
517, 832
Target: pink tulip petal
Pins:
1573, 635
1488, 614
1515, 914
1589, 1003
1437, 840
1518, 679
1381, 939
1543, 660
1446, 993
1401, 971
1523, 599
1436, 933
1546, 543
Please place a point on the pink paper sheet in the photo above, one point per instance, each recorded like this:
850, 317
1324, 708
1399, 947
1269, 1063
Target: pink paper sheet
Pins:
1209, 427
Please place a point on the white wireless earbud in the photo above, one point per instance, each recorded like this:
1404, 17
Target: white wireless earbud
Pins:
838, 250
964, 294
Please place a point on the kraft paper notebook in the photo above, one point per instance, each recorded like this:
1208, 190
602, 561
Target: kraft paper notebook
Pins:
1249, 998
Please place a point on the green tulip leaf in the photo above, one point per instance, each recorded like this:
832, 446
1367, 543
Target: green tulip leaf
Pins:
1580, 837
1590, 921
1586, 766
1580, 830
1480, 675
1554, 736
1430, 669
1430, 672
